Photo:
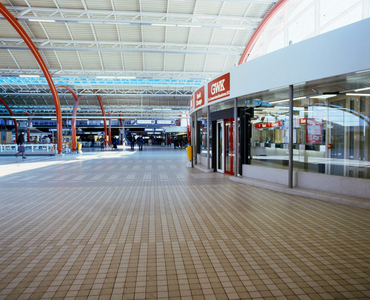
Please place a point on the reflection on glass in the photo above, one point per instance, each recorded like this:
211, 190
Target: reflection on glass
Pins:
330, 136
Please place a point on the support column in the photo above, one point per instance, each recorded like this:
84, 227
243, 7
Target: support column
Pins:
208, 123
290, 179
236, 138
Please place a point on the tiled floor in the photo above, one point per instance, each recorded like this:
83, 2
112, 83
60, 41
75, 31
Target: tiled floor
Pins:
123, 225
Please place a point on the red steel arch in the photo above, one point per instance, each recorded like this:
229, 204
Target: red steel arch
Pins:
103, 112
12, 114
74, 114
277, 7
44, 69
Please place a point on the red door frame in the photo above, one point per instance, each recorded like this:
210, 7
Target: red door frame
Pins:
226, 139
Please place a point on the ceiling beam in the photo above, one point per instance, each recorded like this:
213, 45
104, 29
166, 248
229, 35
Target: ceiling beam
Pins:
90, 16
120, 50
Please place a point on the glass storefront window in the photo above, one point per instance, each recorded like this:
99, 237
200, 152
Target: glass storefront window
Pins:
330, 135
202, 130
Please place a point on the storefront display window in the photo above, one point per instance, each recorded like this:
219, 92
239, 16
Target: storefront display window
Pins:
202, 129
330, 135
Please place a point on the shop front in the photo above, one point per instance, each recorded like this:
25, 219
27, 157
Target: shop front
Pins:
295, 122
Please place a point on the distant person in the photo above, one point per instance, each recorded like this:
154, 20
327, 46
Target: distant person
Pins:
140, 142
114, 143
102, 142
169, 142
47, 139
20, 143
132, 141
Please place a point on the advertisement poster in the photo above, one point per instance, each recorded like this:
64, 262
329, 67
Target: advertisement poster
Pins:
219, 88
191, 103
199, 97
313, 131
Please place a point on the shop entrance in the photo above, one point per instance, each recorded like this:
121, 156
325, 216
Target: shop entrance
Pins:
225, 146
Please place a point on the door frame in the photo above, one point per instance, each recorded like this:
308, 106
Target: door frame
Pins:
218, 143
231, 120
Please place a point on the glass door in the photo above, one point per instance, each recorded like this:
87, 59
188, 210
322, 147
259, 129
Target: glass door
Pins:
229, 146
220, 146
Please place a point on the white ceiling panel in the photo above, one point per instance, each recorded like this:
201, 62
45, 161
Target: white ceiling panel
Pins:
69, 60
25, 59
90, 60
6, 59
81, 31
130, 33
154, 34
182, 6
174, 62
195, 63
56, 31
154, 61
200, 36
51, 59
214, 63
106, 32
133, 61
208, 7
7, 30
72, 4
178, 35
154, 6
126, 5
112, 61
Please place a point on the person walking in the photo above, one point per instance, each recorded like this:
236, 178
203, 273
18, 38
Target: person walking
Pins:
20, 143
132, 141
102, 142
140, 142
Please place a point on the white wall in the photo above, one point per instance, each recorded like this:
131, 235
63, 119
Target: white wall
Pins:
341, 51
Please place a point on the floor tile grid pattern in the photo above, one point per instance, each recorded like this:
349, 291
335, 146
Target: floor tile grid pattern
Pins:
144, 230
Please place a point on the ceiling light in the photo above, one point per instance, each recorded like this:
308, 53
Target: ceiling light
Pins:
162, 108
44, 20
359, 95
237, 28
322, 96
278, 101
189, 25
106, 77
164, 24
363, 89
30, 76
126, 77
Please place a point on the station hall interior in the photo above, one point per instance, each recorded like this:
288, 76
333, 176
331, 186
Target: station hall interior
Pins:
184, 149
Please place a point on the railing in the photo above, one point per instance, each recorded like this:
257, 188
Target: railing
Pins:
49, 148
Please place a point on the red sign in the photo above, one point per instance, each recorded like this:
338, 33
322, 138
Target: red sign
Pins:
300, 121
313, 131
199, 97
219, 88
191, 102
269, 125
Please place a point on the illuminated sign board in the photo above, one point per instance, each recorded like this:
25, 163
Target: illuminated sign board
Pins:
199, 97
219, 88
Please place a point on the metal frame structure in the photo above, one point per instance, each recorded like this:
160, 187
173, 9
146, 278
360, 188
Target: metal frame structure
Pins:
41, 63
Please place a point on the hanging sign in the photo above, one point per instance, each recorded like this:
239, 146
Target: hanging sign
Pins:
191, 102
313, 131
199, 97
219, 88
268, 125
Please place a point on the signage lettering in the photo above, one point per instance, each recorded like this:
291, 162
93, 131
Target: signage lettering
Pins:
219, 88
199, 97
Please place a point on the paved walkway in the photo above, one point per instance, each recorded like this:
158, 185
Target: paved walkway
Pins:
140, 225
